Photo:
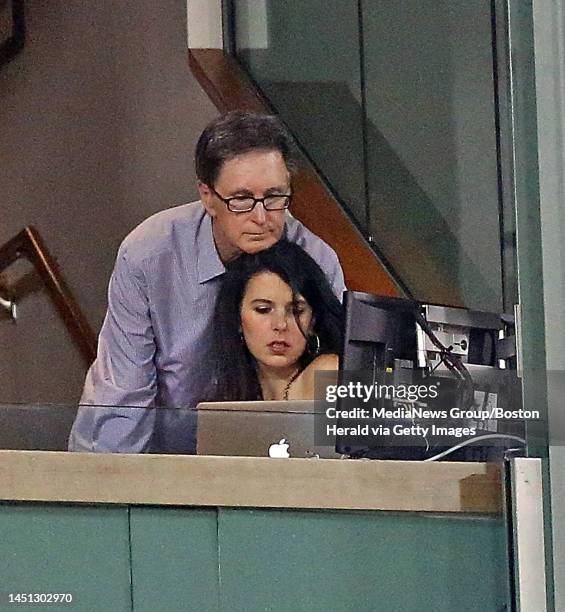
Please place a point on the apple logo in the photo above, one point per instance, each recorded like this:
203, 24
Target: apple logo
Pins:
279, 450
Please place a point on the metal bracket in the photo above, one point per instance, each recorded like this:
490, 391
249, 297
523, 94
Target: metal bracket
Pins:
519, 355
10, 306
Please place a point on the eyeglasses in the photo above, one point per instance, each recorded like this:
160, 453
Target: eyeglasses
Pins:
275, 201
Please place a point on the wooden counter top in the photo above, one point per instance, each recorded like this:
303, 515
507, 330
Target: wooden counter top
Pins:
249, 482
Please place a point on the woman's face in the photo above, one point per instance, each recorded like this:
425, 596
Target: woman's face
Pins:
272, 322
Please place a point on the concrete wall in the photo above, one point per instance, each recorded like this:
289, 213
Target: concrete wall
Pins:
204, 24
98, 121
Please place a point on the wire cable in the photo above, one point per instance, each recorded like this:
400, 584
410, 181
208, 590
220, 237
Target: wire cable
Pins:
472, 441
453, 363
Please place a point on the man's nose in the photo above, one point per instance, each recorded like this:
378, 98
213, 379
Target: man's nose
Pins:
259, 213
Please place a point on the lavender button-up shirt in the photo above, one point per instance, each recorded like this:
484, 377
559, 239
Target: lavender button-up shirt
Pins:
157, 334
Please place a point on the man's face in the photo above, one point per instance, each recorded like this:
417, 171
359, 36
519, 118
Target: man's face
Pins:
257, 174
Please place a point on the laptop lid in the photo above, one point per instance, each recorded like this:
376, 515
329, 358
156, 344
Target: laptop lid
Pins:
260, 429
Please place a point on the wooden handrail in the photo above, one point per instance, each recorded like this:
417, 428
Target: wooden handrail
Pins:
28, 244
12, 45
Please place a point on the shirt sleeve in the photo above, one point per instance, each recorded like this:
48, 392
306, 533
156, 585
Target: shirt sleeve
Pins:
115, 412
336, 278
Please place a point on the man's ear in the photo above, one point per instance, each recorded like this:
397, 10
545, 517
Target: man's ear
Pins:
206, 197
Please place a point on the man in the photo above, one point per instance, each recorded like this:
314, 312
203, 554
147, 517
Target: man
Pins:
156, 334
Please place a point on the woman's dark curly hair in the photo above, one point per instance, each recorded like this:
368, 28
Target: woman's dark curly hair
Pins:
234, 367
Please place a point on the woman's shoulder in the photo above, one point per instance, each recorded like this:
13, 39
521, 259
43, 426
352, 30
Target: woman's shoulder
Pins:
304, 386
328, 361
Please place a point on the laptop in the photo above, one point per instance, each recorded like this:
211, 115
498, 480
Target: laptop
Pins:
260, 429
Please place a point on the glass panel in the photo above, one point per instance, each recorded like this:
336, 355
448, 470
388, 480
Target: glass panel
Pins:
41, 426
549, 33
46, 426
538, 63
396, 107
432, 144
305, 58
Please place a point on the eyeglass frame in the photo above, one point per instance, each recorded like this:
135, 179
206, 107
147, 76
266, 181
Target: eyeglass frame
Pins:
256, 201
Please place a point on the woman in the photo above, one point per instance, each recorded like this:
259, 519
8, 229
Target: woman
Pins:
276, 322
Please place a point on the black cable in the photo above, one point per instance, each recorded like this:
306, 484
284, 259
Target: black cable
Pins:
453, 362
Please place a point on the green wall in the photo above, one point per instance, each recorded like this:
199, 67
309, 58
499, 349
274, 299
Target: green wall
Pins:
157, 558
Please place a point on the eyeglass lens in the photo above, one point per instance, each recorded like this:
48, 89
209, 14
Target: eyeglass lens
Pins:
274, 202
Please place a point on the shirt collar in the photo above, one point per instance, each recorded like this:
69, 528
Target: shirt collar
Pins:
208, 262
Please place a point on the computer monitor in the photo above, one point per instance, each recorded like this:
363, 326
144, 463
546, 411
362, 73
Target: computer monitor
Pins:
378, 331
459, 358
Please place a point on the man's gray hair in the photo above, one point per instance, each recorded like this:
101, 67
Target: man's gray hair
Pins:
237, 133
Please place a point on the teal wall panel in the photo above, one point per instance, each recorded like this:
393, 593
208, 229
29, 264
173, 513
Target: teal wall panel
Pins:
174, 559
54, 548
299, 560
207, 560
